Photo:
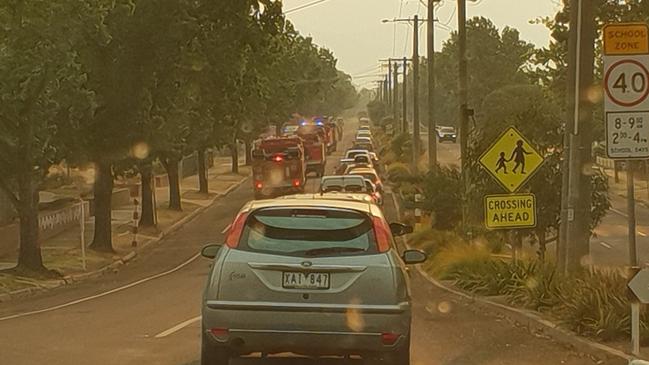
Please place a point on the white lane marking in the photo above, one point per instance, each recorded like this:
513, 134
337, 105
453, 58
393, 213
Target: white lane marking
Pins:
605, 245
177, 327
626, 216
96, 296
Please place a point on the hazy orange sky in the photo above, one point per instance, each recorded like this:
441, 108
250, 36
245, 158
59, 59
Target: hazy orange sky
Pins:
352, 29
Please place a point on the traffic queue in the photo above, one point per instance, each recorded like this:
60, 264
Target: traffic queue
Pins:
294, 265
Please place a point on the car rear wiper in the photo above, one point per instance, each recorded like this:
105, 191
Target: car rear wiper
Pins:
328, 250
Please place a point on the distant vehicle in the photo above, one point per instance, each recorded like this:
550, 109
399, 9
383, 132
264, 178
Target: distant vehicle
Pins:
360, 151
363, 139
447, 134
375, 193
315, 148
278, 166
344, 184
289, 129
312, 257
364, 121
368, 173
364, 128
352, 153
363, 145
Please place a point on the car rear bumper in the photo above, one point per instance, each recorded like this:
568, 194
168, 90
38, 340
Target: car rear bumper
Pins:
310, 330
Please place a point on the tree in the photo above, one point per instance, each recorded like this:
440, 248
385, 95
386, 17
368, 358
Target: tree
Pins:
42, 89
502, 53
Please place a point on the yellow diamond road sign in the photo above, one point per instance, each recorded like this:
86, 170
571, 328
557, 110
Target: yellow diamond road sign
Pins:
510, 211
511, 160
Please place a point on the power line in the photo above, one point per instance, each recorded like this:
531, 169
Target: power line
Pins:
305, 6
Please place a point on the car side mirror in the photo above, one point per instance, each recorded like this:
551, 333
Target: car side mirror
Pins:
412, 257
210, 251
400, 229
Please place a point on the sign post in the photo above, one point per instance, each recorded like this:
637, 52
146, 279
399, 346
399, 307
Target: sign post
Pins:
626, 104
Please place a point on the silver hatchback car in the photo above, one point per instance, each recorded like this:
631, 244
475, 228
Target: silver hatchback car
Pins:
309, 276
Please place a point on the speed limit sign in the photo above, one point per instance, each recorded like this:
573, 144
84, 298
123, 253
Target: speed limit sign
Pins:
626, 85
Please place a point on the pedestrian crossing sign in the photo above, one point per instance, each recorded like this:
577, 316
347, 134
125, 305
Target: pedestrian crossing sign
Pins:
511, 160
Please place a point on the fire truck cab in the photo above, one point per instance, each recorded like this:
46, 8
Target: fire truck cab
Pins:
278, 166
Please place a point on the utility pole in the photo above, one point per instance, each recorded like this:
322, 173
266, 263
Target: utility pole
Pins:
404, 121
386, 99
463, 112
415, 98
379, 92
576, 196
432, 137
390, 92
395, 94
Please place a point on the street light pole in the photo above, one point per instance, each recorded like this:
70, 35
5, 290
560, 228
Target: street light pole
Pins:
415, 98
432, 137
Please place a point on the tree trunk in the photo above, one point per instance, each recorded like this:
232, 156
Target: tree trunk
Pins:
171, 166
234, 152
248, 152
29, 256
202, 172
147, 219
103, 191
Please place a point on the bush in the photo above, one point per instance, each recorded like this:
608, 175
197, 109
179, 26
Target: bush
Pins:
591, 303
399, 172
433, 241
401, 146
443, 195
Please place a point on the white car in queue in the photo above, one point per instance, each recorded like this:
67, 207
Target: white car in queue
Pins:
290, 272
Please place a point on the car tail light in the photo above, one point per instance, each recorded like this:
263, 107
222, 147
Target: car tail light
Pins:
389, 338
259, 185
278, 158
220, 333
234, 234
383, 235
297, 183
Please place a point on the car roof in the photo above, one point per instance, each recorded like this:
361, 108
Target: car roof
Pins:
361, 170
339, 177
357, 150
355, 201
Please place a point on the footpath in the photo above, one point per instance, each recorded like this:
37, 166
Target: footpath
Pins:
63, 253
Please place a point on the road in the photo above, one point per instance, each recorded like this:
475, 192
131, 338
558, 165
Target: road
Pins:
147, 313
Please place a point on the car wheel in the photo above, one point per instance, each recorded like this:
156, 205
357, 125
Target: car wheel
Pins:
213, 355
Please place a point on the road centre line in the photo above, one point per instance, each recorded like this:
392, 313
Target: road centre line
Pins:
177, 327
97, 296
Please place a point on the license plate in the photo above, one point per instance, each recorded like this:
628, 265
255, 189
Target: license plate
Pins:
300, 280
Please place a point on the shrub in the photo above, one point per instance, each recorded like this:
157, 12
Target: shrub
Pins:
399, 172
401, 146
443, 193
433, 241
591, 303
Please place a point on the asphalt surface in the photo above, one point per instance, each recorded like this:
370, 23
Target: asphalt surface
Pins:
156, 321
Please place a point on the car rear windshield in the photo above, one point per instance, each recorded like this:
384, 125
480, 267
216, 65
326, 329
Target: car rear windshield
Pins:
308, 232
342, 185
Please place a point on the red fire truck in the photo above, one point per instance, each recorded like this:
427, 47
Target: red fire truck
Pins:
314, 136
278, 166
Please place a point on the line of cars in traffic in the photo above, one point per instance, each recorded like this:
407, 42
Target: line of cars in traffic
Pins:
315, 274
